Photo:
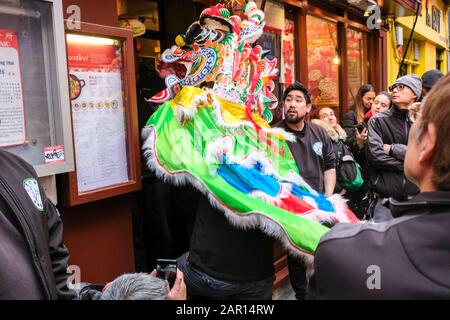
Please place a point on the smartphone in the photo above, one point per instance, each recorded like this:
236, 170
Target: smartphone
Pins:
166, 269
359, 127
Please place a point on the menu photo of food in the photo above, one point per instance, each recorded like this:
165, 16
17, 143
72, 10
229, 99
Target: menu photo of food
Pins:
76, 85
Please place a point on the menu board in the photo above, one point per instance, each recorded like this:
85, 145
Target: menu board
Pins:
98, 113
12, 116
323, 61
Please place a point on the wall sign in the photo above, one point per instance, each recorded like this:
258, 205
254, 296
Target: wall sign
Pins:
12, 121
95, 84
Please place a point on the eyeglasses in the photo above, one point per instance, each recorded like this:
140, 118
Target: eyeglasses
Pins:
399, 87
414, 111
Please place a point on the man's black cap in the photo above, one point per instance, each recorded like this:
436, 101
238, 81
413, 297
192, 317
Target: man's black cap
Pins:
430, 77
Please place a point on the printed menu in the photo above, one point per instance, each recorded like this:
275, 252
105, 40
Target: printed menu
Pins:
12, 116
99, 124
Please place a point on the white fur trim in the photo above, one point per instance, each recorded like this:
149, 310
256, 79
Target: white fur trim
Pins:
245, 221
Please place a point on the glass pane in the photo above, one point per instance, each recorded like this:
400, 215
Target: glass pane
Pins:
323, 61
30, 113
357, 62
287, 74
98, 113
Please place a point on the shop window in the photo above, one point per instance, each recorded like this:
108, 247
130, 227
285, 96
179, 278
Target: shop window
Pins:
323, 61
287, 72
356, 62
439, 58
34, 98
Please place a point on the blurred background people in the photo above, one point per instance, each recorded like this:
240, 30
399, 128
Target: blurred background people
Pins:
356, 140
409, 256
381, 103
326, 118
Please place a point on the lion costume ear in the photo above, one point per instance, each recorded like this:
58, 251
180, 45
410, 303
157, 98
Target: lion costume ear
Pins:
253, 27
216, 18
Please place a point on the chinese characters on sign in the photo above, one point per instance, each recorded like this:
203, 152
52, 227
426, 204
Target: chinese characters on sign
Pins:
12, 119
95, 76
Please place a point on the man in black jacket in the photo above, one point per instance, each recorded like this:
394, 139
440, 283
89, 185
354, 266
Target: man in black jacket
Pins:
314, 155
33, 258
407, 257
386, 146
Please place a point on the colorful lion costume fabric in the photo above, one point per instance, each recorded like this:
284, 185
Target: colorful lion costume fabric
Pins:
218, 138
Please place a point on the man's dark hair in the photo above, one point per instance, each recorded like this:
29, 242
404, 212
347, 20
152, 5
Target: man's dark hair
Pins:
298, 86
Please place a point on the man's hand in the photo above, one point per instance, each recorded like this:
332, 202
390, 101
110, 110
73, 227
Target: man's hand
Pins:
387, 148
178, 291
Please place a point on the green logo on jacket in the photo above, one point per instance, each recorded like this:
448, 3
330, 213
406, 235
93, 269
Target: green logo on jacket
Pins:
31, 186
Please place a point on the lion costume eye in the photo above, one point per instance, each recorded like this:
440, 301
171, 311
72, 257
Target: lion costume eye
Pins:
196, 34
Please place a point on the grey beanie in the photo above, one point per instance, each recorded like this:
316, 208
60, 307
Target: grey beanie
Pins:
413, 82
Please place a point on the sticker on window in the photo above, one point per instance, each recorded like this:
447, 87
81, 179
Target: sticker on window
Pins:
54, 154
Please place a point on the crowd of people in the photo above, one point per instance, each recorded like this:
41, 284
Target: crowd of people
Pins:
389, 157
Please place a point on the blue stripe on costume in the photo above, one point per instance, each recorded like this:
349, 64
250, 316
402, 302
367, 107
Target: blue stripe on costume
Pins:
247, 180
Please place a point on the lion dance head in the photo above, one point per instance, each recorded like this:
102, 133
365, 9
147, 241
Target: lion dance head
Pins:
216, 51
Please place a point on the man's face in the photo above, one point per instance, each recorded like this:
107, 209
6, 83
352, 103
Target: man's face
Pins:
295, 107
402, 96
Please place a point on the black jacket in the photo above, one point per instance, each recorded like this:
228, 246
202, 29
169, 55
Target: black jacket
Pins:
227, 252
39, 224
348, 124
410, 254
386, 171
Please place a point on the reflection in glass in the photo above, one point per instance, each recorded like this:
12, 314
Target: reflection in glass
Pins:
356, 62
323, 61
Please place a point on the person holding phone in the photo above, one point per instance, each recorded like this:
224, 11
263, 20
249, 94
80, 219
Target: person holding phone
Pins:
356, 139
387, 144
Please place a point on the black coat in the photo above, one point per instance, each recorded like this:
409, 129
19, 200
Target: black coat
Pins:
386, 171
39, 223
348, 124
405, 258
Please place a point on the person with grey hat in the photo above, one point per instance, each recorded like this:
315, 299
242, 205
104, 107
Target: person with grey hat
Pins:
386, 146
429, 78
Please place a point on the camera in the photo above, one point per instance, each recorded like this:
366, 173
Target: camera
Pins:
166, 269
360, 127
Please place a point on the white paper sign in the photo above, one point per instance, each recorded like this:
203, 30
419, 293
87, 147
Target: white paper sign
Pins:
12, 118
100, 130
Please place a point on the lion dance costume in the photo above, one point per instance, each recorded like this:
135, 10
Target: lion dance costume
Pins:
212, 132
